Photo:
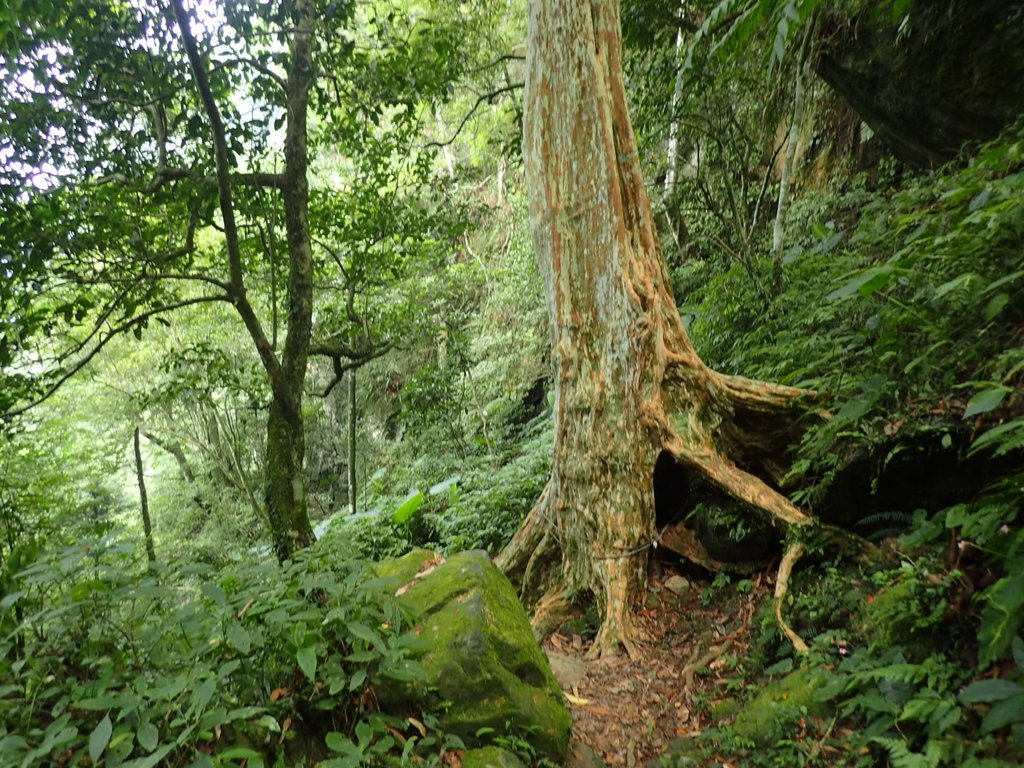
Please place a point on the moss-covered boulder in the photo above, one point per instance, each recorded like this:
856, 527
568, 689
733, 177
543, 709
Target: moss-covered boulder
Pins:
937, 75
484, 668
490, 757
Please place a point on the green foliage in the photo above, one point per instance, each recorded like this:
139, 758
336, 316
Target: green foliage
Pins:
891, 306
251, 662
480, 509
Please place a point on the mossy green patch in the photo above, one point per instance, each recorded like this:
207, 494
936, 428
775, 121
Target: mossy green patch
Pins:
490, 757
766, 718
403, 569
484, 668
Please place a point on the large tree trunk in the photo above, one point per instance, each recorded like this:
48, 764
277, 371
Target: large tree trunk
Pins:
628, 382
284, 486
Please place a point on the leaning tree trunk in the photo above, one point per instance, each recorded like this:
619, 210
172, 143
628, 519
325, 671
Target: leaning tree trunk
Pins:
147, 525
628, 383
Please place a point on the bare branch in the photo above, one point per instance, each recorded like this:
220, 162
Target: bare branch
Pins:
116, 331
237, 282
345, 359
485, 98
496, 62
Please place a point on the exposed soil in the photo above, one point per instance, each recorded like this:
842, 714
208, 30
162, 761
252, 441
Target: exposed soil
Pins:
628, 710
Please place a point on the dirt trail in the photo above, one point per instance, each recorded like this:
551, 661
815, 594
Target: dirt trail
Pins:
629, 710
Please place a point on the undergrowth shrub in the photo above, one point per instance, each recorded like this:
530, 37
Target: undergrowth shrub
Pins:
477, 503
903, 306
107, 662
900, 305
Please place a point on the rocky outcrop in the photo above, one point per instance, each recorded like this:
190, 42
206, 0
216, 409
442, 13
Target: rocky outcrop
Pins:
941, 74
485, 672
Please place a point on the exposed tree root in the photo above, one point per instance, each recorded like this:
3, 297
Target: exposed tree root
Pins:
698, 661
550, 611
741, 485
543, 560
764, 396
684, 542
794, 551
617, 632
517, 554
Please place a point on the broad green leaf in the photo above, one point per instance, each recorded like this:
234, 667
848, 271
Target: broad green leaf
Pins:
98, 703
214, 592
252, 758
958, 282
306, 657
168, 689
443, 486
988, 691
243, 713
995, 305
338, 742
866, 283
364, 733
984, 401
238, 637
148, 736
358, 678
1001, 618
366, 634
361, 657
406, 509
99, 738
1017, 648
151, 760
201, 696
1009, 710
269, 722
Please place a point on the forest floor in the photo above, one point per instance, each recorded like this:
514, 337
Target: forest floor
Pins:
628, 710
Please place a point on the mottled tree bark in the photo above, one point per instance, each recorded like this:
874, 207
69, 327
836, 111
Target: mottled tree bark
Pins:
628, 383
788, 161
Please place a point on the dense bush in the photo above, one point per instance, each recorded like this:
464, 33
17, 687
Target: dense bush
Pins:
476, 503
107, 662
902, 306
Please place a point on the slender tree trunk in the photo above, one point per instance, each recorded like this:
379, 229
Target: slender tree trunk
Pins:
628, 383
352, 441
187, 474
285, 485
676, 225
672, 149
789, 160
147, 526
